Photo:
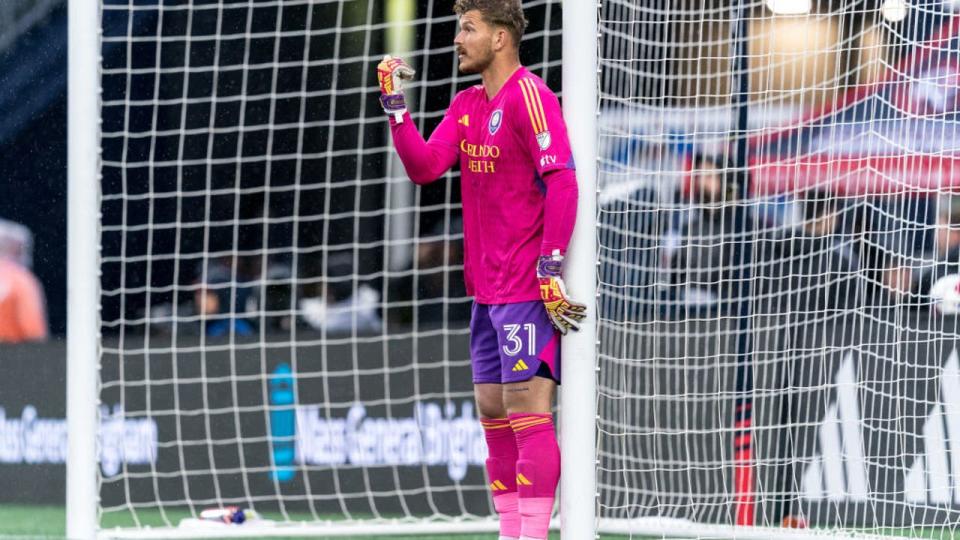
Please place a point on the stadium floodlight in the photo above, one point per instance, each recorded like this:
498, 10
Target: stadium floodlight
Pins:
789, 7
895, 10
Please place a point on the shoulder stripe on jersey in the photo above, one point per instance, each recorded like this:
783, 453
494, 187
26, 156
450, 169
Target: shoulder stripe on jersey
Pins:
534, 106
538, 105
536, 94
530, 109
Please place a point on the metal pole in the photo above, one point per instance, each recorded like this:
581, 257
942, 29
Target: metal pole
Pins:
83, 282
744, 466
578, 401
401, 39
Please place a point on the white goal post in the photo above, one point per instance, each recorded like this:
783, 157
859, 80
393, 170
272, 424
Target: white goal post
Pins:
83, 315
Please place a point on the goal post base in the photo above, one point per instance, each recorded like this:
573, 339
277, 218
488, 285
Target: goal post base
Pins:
682, 528
658, 527
295, 530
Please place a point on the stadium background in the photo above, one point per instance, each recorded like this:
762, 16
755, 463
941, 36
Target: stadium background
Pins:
33, 187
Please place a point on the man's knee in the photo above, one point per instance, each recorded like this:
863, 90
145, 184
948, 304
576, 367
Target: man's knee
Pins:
489, 410
490, 400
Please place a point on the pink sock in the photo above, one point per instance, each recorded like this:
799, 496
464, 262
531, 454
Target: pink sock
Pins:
538, 471
502, 472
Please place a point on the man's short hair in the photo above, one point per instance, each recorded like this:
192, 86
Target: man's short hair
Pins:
16, 243
505, 13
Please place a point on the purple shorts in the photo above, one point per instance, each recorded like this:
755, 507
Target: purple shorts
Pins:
512, 343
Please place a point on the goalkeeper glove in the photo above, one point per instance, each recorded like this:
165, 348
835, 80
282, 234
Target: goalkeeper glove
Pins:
565, 314
391, 73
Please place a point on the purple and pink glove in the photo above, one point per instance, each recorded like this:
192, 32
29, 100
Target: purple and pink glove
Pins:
391, 74
565, 314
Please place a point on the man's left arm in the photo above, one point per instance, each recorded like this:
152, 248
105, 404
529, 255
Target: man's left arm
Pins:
544, 132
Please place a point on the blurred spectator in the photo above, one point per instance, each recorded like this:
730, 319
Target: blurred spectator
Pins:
241, 302
433, 291
705, 261
640, 234
17, 243
864, 226
226, 295
250, 288
912, 278
22, 305
338, 304
814, 266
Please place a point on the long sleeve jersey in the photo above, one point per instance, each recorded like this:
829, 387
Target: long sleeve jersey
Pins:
518, 182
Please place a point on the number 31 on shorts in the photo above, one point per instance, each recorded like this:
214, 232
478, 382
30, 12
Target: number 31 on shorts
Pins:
515, 343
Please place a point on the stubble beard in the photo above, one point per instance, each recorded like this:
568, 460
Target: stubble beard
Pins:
476, 66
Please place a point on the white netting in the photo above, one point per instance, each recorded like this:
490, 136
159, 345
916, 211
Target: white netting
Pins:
283, 314
282, 309
771, 222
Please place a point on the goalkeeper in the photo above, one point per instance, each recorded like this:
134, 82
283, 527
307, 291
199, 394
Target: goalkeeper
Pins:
519, 193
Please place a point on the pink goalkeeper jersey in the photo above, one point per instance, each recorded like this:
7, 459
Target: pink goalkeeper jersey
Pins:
506, 146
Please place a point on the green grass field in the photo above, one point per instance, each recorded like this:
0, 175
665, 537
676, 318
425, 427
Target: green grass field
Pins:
48, 522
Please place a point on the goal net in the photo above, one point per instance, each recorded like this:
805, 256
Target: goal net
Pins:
777, 225
283, 312
284, 320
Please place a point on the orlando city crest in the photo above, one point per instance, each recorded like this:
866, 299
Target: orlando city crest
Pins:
495, 120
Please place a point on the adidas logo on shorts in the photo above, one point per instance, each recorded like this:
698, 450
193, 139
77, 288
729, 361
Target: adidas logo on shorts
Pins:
520, 366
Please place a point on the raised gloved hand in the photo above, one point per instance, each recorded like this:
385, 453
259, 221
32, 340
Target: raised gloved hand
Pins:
391, 73
565, 314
